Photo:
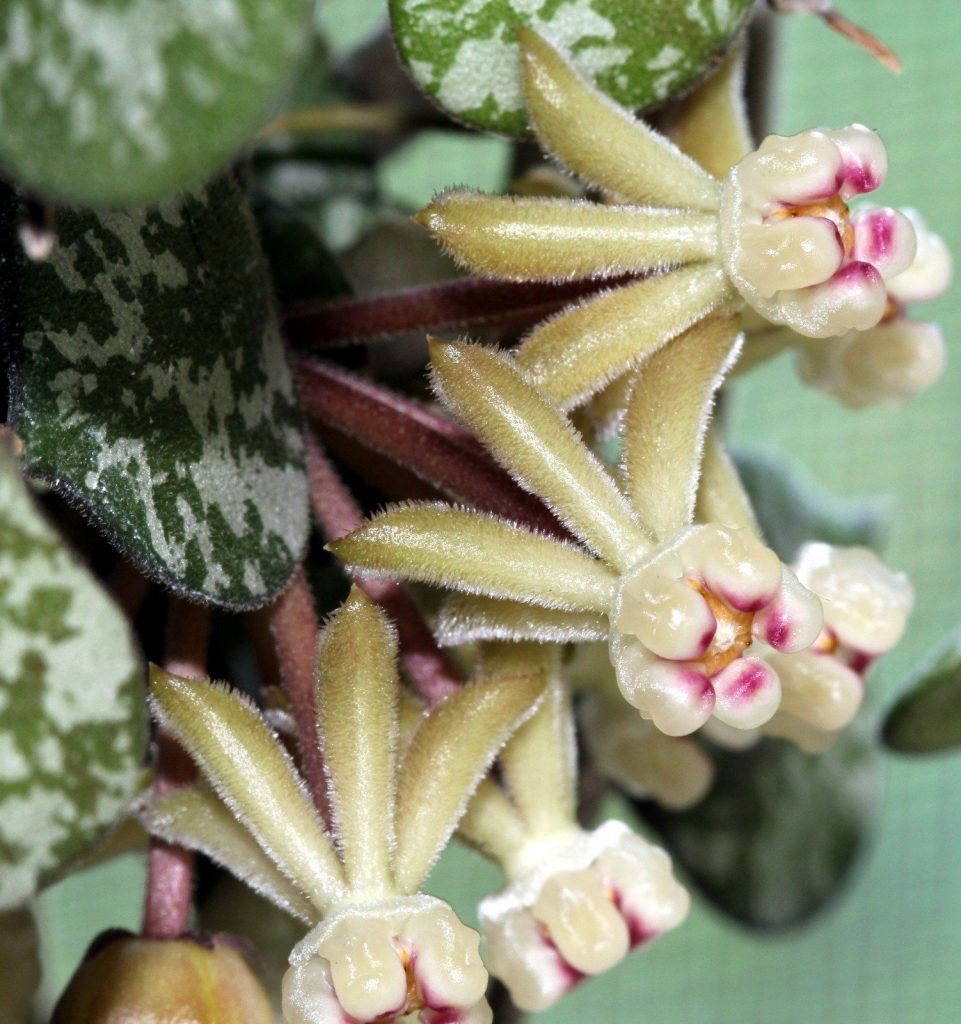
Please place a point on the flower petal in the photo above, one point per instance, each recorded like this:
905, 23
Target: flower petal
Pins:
886, 239
864, 160
793, 619
795, 252
818, 689
748, 693
930, 273
855, 298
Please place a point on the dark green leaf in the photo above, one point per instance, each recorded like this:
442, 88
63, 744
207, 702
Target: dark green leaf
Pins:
152, 390
72, 713
464, 55
780, 830
125, 102
927, 716
792, 508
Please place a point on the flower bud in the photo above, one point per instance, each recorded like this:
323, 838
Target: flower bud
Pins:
164, 981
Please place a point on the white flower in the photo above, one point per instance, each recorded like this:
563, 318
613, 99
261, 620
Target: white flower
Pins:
387, 959
889, 364
576, 905
683, 620
866, 606
792, 247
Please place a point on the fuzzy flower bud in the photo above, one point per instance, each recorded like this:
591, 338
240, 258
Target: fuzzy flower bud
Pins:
163, 981
684, 619
792, 247
575, 908
387, 959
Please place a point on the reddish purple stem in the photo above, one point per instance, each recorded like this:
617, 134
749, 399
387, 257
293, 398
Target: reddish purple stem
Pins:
426, 444
429, 669
170, 868
450, 305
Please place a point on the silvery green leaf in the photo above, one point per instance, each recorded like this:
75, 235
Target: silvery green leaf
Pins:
927, 716
126, 102
780, 831
463, 53
72, 713
151, 389
792, 508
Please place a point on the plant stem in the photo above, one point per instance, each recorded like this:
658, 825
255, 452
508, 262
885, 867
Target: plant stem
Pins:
294, 628
427, 666
170, 867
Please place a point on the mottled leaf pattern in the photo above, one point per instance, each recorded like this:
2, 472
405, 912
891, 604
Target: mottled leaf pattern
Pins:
463, 53
128, 101
72, 718
152, 389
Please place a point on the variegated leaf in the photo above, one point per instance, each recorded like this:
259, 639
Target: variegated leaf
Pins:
152, 390
464, 55
72, 718
128, 101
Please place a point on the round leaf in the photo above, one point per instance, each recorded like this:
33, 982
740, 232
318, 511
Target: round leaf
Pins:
927, 716
72, 714
463, 53
152, 390
776, 837
119, 102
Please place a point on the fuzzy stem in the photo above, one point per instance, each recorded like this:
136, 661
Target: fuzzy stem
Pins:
170, 868
294, 627
428, 668
465, 302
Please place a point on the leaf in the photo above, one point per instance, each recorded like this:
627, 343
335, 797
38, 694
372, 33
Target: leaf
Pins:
779, 832
465, 56
791, 508
152, 391
126, 102
72, 717
927, 716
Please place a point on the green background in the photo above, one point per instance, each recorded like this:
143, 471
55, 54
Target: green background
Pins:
887, 953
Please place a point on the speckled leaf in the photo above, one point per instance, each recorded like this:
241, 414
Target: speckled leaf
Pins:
152, 389
779, 832
463, 53
792, 507
120, 102
927, 717
72, 713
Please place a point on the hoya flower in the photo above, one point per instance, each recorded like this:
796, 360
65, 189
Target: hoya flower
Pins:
576, 902
775, 235
681, 605
865, 605
377, 949
889, 364
630, 751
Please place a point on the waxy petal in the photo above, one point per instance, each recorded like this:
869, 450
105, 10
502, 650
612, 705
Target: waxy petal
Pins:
930, 273
793, 619
600, 141
308, 997
735, 565
886, 239
366, 971
530, 966
864, 160
795, 252
747, 693
670, 618
788, 169
818, 689
855, 298
448, 969
543, 239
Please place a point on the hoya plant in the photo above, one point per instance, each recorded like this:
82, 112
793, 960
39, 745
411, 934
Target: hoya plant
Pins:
340, 548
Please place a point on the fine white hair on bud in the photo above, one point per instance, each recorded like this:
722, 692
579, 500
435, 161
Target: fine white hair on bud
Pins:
384, 960
684, 619
576, 909
790, 244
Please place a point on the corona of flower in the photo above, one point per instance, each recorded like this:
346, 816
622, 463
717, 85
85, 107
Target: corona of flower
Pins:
776, 234
377, 950
889, 364
576, 902
680, 605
